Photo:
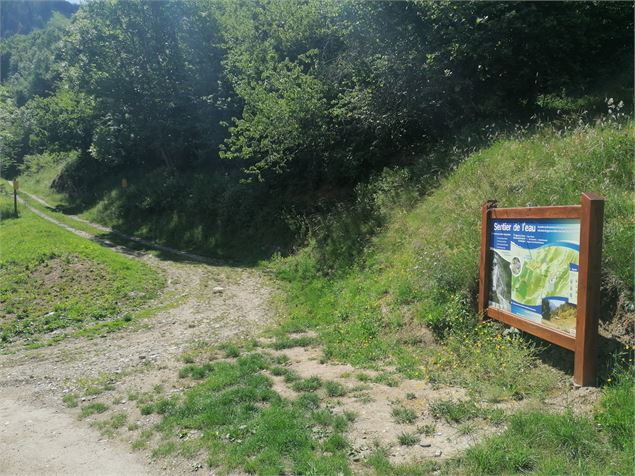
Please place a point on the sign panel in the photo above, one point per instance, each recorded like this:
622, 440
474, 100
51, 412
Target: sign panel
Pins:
534, 270
540, 272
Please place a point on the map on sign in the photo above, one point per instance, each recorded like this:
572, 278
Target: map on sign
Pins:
534, 270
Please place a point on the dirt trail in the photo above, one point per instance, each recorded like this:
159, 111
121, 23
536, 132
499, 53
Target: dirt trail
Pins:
40, 435
51, 442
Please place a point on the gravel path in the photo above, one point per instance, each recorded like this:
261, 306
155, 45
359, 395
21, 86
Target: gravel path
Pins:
39, 435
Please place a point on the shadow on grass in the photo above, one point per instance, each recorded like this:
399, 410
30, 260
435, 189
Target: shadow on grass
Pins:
612, 356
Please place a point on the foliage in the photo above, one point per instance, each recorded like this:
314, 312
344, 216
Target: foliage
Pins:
314, 100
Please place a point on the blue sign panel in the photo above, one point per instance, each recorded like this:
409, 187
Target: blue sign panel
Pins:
534, 270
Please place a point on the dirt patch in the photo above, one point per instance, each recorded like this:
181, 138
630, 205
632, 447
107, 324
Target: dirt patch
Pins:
71, 267
36, 440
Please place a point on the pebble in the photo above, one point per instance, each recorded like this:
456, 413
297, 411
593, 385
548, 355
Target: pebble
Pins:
218, 290
425, 445
438, 453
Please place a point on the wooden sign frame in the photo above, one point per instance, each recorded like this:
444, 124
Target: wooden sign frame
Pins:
590, 212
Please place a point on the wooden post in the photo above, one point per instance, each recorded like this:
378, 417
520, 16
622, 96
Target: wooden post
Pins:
483, 289
15, 197
586, 335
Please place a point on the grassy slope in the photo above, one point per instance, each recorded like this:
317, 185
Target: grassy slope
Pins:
423, 267
52, 280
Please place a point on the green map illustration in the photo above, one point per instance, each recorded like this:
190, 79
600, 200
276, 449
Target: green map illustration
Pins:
545, 272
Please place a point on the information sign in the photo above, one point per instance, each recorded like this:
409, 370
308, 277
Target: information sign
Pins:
540, 269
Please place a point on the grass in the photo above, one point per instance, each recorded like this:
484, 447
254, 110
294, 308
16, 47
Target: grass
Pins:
70, 400
286, 342
310, 384
402, 414
427, 429
52, 281
334, 389
92, 409
246, 425
408, 439
454, 412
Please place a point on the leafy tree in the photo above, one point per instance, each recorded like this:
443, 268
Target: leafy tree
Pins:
153, 69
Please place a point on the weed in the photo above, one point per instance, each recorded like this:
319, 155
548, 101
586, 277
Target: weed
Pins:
143, 439
467, 428
363, 377
308, 401
92, 409
232, 351
278, 371
410, 396
310, 384
408, 439
402, 414
281, 359
147, 409
454, 412
387, 379
197, 372
350, 416
335, 442
496, 416
70, 400
286, 342
427, 429
334, 389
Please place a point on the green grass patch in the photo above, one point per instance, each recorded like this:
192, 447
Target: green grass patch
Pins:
545, 444
286, 342
310, 384
92, 409
402, 414
53, 282
246, 425
334, 389
408, 439
454, 412
70, 400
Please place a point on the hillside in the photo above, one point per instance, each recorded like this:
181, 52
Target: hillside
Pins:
422, 267
20, 17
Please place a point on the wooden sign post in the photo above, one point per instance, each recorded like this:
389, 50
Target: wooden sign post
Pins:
15, 197
540, 272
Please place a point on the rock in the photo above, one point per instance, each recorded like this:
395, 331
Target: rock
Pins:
438, 453
141, 357
218, 290
425, 445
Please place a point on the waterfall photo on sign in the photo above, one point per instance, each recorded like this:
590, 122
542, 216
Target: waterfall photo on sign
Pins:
534, 270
